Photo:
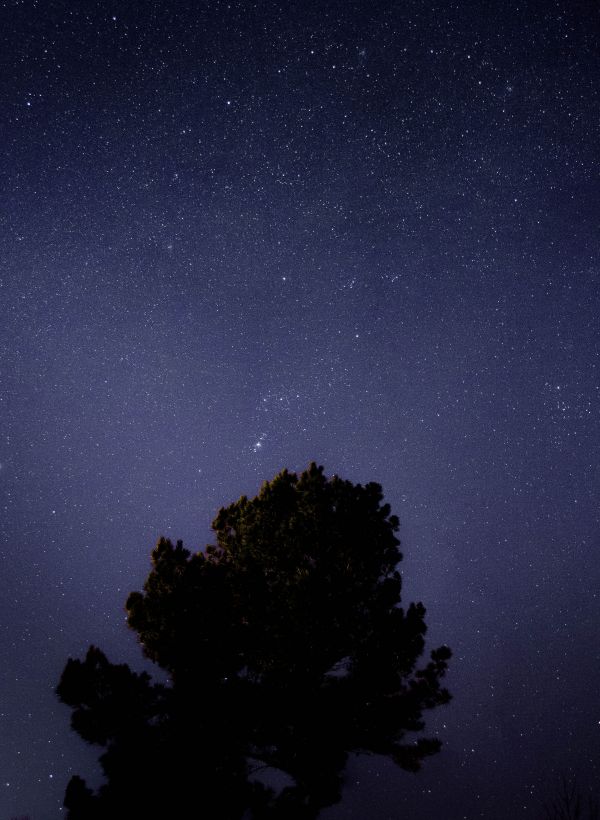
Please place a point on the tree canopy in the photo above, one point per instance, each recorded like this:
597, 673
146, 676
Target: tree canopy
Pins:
286, 649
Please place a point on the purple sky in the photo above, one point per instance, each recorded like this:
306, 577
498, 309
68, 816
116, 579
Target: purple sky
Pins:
237, 237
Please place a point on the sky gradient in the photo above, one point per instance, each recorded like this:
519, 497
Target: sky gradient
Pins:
237, 237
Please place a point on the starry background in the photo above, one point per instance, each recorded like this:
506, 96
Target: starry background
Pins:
240, 236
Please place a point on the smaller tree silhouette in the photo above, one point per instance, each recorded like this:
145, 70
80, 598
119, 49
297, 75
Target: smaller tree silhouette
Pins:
570, 803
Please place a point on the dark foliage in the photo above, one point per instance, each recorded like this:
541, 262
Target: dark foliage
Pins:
286, 649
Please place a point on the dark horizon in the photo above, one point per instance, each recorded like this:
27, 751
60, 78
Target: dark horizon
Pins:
238, 238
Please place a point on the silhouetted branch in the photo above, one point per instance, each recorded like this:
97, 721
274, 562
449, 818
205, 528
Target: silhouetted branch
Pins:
569, 803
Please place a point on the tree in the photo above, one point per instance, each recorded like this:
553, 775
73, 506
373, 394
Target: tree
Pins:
286, 649
571, 803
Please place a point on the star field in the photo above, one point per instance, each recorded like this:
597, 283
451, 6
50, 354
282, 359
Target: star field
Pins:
237, 237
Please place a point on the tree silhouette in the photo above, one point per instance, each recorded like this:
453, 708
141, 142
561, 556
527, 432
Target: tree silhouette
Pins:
571, 803
286, 649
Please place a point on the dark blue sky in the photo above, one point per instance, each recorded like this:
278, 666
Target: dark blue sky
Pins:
237, 237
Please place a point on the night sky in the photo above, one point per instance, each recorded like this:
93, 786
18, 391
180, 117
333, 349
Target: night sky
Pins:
241, 236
